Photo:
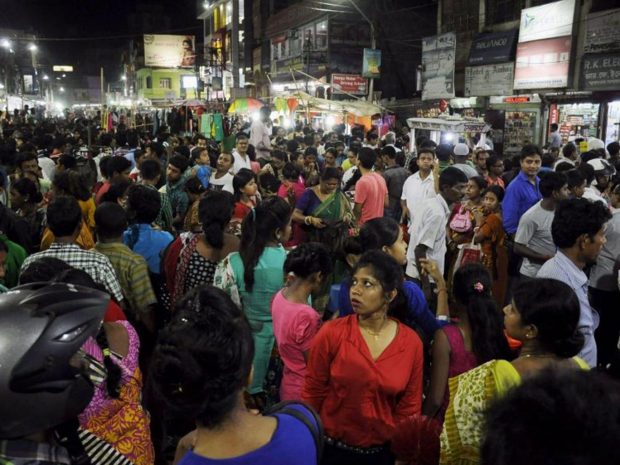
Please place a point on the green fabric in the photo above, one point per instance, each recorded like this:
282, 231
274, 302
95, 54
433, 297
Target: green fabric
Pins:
217, 127
228, 144
14, 259
268, 279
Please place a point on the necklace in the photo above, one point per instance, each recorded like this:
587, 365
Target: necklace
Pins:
537, 356
375, 334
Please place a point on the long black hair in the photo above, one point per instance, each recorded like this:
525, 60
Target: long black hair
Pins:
214, 211
258, 228
240, 180
472, 289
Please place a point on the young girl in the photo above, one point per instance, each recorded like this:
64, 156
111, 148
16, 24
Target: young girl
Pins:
254, 274
246, 188
476, 338
295, 323
490, 234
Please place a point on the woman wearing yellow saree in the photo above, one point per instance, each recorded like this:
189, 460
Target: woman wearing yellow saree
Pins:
543, 315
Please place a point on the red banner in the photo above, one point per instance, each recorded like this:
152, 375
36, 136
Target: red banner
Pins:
349, 83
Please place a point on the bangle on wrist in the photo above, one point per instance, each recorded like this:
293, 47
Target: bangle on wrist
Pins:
442, 318
443, 289
308, 220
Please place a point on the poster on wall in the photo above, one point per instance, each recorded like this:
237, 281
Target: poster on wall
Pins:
543, 64
371, 67
547, 21
602, 31
169, 51
438, 54
481, 81
601, 71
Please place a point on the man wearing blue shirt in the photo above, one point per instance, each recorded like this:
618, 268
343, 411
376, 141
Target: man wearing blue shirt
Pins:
523, 192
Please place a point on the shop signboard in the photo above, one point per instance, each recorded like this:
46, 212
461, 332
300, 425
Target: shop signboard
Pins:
349, 84
489, 80
371, 66
438, 54
602, 31
493, 47
547, 21
543, 64
169, 51
601, 71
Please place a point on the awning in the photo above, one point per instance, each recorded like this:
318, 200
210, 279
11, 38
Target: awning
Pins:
357, 108
449, 125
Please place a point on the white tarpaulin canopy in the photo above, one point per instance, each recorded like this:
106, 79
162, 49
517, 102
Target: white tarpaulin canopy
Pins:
357, 108
449, 125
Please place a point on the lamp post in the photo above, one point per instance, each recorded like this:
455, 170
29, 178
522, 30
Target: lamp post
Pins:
373, 44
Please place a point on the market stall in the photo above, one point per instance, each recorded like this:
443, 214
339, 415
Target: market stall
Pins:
449, 129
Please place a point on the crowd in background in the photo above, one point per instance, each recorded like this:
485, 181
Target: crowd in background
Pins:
307, 297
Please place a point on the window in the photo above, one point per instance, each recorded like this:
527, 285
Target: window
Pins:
165, 83
308, 43
501, 11
149, 82
294, 42
321, 35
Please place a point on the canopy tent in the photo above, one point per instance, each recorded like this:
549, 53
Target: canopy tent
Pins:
310, 103
449, 125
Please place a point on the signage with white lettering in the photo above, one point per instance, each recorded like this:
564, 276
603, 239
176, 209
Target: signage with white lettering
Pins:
601, 71
493, 47
547, 21
489, 80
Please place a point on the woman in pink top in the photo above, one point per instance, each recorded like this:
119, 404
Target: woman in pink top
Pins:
295, 323
291, 189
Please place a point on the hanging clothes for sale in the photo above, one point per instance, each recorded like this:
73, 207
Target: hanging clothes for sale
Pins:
217, 127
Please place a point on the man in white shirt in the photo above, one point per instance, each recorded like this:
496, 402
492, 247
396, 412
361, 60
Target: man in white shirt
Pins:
240, 154
555, 140
221, 179
428, 233
419, 186
260, 134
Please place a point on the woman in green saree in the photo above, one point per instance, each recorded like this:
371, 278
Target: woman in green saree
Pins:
327, 216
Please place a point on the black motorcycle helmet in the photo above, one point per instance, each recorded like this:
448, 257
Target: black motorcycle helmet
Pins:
42, 328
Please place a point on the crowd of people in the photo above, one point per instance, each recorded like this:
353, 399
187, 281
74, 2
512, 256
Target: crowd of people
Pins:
309, 297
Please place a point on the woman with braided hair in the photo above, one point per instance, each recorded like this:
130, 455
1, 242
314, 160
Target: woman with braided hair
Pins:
254, 274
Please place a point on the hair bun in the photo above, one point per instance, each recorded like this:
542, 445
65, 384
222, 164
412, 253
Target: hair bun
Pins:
568, 347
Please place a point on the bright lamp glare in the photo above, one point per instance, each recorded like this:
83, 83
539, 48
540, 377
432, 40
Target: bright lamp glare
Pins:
256, 116
449, 137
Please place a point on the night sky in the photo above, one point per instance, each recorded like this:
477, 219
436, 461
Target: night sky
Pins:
88, 19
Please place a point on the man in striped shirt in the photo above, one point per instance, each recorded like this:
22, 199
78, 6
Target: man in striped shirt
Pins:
578, 231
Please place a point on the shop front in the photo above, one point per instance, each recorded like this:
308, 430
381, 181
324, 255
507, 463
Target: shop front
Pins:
576, 120
515, 120
612, 126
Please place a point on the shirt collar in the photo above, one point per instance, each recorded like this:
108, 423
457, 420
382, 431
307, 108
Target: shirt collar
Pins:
576, 275
523, 177
62, 245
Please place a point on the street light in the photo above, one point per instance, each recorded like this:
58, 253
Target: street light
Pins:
62, 89
46, 77
32, 47
6, 43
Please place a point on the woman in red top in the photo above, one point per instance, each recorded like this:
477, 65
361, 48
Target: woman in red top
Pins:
364, 371
244, 184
